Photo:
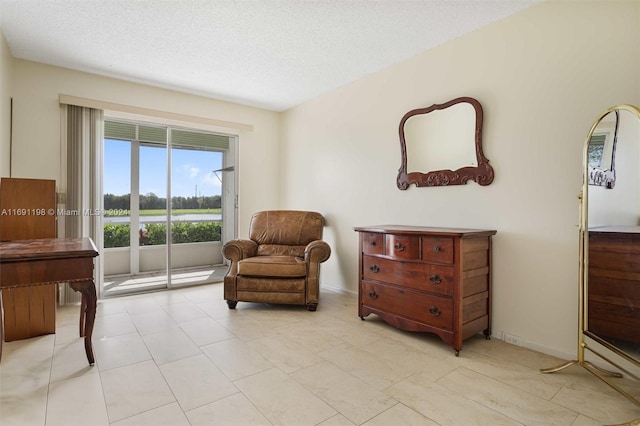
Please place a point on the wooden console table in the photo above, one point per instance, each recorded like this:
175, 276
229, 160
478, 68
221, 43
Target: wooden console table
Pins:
48, 261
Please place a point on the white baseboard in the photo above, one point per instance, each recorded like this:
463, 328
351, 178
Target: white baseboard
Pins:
339, 290
535, 346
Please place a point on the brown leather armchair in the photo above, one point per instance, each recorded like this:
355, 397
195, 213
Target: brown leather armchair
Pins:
280, 262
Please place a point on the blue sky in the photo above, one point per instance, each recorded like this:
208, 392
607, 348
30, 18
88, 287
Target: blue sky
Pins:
191, 170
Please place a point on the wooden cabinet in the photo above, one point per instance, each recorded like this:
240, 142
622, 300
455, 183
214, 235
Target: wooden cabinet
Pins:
435, 280
28, 211
613, 286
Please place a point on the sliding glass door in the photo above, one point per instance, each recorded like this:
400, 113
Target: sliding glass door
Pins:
196, 216
164, 228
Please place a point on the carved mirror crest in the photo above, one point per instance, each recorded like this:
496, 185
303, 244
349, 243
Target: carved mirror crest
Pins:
442, 145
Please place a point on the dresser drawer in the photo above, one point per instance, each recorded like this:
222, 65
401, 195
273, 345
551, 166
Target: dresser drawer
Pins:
613, 320
437, 249
402, 246
372, 243
419, 276
421, 307
611, 263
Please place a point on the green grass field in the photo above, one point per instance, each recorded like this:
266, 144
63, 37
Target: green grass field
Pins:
158, 212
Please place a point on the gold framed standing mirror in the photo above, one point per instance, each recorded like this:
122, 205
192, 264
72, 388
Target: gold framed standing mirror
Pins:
609, 247
441, 145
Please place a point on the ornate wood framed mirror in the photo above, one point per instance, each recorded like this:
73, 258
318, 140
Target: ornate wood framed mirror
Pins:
442, 145
609, 287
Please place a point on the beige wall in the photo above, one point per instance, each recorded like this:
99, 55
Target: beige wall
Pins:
543, 76
5, 101
36, 145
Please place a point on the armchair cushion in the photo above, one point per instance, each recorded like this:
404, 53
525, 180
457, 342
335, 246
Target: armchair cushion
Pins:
273, 266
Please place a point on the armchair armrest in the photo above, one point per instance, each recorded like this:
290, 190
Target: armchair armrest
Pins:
317, 252
236, 250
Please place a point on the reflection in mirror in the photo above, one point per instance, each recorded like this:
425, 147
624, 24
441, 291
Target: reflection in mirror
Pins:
442, 145
601, 151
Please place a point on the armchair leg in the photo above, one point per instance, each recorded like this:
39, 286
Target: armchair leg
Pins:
232, 303
312, 307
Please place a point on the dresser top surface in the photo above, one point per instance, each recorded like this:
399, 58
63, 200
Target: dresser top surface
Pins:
615, 229
46, 248
421, 230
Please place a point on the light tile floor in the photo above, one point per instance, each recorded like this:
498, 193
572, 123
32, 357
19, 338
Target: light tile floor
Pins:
120, 285
182, 357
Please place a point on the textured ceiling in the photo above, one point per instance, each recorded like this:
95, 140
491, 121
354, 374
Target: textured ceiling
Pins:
272, 54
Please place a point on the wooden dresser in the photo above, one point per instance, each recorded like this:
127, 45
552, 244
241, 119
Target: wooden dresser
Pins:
436, 280
613, 287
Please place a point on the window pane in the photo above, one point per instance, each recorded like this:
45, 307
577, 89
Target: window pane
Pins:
153, 195
195, 195
117, 192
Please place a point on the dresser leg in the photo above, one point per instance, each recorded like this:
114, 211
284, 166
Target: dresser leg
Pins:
362, 318
457, 352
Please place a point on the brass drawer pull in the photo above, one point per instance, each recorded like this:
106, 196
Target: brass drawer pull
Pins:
436, 248
373, 295
434, 311
399, 247
435, 279
374, 269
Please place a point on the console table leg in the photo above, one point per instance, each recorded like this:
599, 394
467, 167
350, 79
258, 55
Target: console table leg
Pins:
83, 310
87, 314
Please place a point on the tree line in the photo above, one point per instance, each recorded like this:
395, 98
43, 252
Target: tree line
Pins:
151, 201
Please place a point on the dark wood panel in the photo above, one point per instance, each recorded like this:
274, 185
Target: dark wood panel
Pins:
402, 246
372, 243
474, 307
475, 244
474, 260
613, 286
604, 287
421, 307
420, 276
617, 242
614, 261
37, 315
437, 249
28, 211
475, 281
54, 270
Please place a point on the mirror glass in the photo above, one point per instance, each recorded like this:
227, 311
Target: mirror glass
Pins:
601, 151
612, 240
442, 145
442, 139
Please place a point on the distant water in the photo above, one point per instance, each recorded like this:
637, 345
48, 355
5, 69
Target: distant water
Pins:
160, 218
